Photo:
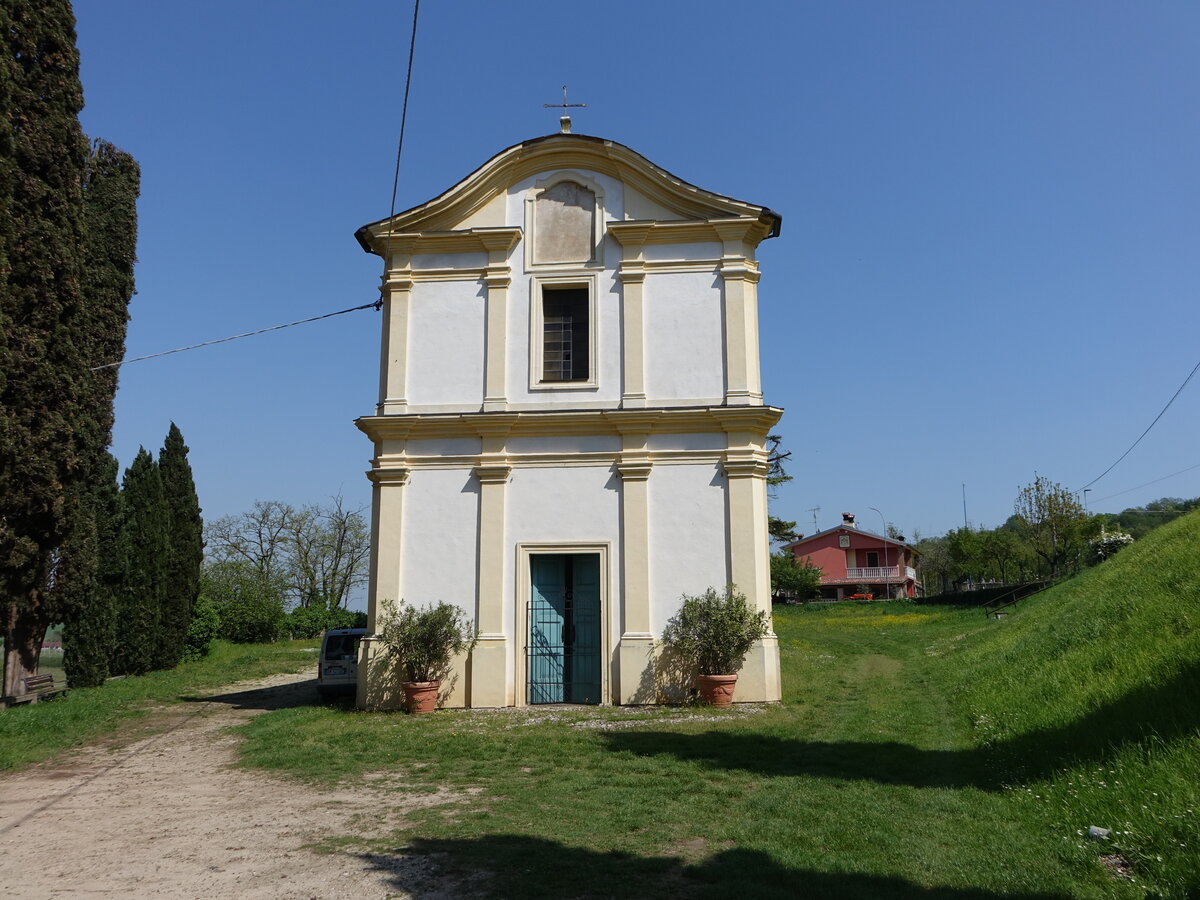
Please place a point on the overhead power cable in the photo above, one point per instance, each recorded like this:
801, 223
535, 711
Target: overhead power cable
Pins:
1147, 484
412, 46
341, 312
395, 186
1144, 433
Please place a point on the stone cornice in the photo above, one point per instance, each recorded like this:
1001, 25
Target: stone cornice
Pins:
493, 474
677, 420
470, 240
741, 467
636, 470
388, 476
745, 229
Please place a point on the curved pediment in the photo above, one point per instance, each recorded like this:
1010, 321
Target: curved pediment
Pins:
670, 196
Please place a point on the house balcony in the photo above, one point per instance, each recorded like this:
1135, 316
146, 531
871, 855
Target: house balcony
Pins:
870, 574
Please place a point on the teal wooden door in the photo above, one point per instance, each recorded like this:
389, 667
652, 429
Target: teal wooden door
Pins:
564, 628
547, 616
583, 685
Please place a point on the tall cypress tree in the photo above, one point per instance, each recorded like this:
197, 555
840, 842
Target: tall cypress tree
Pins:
43, 387
110, 191
90, 635
185, 551
143, 546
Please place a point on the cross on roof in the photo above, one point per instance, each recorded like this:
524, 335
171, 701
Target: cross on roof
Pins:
564, 120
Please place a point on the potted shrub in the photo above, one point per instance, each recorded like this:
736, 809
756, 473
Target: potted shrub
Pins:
713, 633
423, 642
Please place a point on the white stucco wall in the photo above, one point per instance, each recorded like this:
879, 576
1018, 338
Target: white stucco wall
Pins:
707, 441
440, 538
449, 260
710, 250
688, 551
568, 443
443, 447
684, 339
446, 349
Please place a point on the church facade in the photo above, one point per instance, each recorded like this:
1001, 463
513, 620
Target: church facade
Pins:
570, 432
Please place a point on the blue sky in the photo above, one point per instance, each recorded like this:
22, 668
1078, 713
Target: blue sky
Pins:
989, 262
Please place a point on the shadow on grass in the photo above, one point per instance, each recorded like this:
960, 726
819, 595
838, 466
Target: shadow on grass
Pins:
283, 696
516, 866
1165, 712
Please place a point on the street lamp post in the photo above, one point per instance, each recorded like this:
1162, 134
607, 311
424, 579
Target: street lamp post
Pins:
887, 581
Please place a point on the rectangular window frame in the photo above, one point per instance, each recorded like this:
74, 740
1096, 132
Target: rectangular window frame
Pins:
537, 287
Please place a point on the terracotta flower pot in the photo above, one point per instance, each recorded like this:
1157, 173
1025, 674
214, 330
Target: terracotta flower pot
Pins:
716, 690
421, 696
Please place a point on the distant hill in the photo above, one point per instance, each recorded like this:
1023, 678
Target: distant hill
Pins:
1090, 695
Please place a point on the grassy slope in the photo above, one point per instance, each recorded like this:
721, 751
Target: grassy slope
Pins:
1092, 692
34, 732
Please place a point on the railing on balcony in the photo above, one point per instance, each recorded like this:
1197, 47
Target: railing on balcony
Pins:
880, 573
873, 573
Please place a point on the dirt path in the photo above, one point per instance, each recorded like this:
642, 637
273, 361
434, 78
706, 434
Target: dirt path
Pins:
168, 816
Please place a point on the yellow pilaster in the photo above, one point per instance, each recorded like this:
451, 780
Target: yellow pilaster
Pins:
393, 352
749, 562
489, 679
739, 272
376, 688
632, 276
498, 277
635, 657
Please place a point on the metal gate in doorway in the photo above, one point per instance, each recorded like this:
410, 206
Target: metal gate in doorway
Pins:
564, 628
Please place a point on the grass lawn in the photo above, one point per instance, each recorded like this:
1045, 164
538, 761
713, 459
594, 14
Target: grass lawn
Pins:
33, 732
867, 782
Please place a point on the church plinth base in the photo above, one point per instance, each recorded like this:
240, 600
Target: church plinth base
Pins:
636, 677
758, 681
489, 672
378, 680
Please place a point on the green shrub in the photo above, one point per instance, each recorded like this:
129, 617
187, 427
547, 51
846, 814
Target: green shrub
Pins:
252, 619
310, 621
250, 602
793, 579
714, 632
307, 621
425, 641
202, 630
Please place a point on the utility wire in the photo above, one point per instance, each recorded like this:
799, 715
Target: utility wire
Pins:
1147, 484
1144, 433
412, 46
376, 305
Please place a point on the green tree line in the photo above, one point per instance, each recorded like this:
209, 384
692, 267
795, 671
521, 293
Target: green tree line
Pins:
1049, 535
279, 569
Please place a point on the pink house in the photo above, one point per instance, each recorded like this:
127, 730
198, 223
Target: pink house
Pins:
849, 557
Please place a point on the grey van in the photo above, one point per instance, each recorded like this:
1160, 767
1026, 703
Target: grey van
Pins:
337, 668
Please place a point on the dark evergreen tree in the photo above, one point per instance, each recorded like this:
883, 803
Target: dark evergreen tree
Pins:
143, 546
89, 636
110, 191
185, 551
44, 389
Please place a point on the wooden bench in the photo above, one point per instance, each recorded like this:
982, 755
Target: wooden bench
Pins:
37, 687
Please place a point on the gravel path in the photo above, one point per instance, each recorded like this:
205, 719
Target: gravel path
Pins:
167, 816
